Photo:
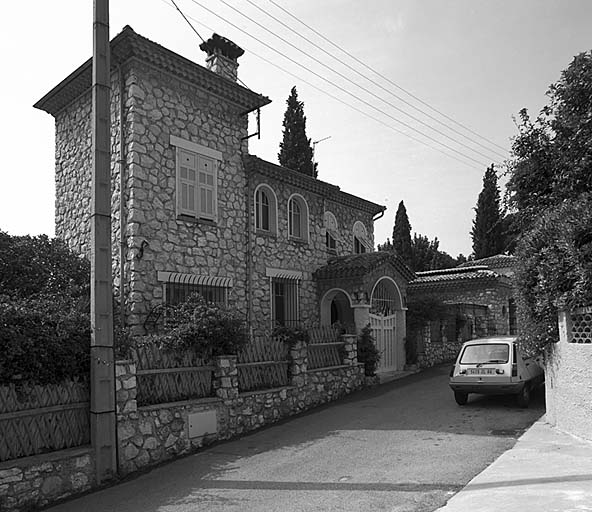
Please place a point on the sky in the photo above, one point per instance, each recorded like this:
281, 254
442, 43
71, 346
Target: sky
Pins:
360, 72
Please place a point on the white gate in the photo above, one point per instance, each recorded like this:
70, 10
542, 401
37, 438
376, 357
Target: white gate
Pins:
384, 303
383, 329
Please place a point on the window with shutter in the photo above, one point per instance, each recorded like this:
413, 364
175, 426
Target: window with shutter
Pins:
196, 179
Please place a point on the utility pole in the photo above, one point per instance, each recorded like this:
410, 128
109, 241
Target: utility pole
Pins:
102, 375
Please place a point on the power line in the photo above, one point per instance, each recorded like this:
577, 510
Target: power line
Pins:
336, 98
188, 22
386, 78
388, 91
354, 83
481, 164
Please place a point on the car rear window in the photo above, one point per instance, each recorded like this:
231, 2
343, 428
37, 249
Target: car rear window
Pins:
485, 353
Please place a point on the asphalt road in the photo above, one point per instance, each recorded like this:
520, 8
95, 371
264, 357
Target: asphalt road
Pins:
404, 446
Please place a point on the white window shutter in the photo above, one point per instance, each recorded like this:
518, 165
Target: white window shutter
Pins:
187, 183
206, 169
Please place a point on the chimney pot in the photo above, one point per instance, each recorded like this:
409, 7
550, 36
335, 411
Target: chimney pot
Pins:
222, 56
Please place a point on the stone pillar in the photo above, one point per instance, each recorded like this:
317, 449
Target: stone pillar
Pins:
126, 404
565, 326
351, 349
226, 378
361, 316
299, 364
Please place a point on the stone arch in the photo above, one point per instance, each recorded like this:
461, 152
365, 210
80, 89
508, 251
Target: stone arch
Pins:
336, 305
386, 296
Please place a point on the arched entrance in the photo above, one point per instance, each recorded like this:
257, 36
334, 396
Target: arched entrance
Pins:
385, 307
336, 307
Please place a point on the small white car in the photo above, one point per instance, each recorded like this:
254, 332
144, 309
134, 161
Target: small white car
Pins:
494, 366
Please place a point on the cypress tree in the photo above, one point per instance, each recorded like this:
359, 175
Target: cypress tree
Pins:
402, 234
295, 149
487, 225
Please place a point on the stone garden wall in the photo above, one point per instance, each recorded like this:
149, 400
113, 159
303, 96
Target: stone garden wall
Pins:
33, 482
435, 353
151, 434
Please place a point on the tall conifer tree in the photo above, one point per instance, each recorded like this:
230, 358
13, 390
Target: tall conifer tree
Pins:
295, 149
487, 231
402, 234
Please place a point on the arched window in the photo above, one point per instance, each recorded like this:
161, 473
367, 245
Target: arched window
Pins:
298, 218
361, 242
331, 232
265, 209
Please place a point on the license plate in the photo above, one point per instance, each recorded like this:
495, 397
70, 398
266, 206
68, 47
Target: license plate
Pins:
480, 371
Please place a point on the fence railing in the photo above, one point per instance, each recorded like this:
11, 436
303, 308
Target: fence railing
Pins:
581, 325
38, 419
170, 376
263, 364
324, 348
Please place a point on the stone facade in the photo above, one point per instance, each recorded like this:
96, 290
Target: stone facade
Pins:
568, 385
34, 482
148, 435
276, 249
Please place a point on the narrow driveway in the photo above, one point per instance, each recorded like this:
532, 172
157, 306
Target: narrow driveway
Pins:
404, 446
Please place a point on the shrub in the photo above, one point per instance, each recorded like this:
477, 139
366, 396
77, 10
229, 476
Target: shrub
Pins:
554, 270
367, 351
44, 339
210, 329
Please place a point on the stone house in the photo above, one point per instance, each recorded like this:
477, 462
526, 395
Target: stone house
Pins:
192, 211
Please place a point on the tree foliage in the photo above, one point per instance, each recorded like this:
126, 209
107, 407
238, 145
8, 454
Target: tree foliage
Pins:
487, 226
554, 269
44, 311
402, 234
295, 149
550, 187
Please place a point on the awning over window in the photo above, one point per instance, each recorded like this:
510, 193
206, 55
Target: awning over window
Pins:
178, 277
278, 273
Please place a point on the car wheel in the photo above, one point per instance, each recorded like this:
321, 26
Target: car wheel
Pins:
461, 398
523, 397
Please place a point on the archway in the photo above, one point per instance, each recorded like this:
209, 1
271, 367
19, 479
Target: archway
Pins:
336, 307
388, 324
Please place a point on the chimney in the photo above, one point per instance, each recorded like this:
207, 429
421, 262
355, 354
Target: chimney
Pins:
222, 56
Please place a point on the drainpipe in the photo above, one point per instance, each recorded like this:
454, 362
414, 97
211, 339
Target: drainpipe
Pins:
121, 165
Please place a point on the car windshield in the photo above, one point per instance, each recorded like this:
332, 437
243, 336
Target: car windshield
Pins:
485, 353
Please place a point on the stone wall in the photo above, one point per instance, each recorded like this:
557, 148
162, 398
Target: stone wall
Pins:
33, 482
568, 382
435, 353
148, 435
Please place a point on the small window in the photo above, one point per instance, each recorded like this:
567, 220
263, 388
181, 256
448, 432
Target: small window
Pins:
196, 171
298, 218
285, 302
265, 209
178, 287
361, 242
331, 232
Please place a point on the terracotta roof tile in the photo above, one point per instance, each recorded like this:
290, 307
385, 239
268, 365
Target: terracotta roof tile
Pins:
354, 265
128, 44
497, 261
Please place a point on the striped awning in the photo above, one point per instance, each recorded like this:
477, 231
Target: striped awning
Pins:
279, 273
195, 279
